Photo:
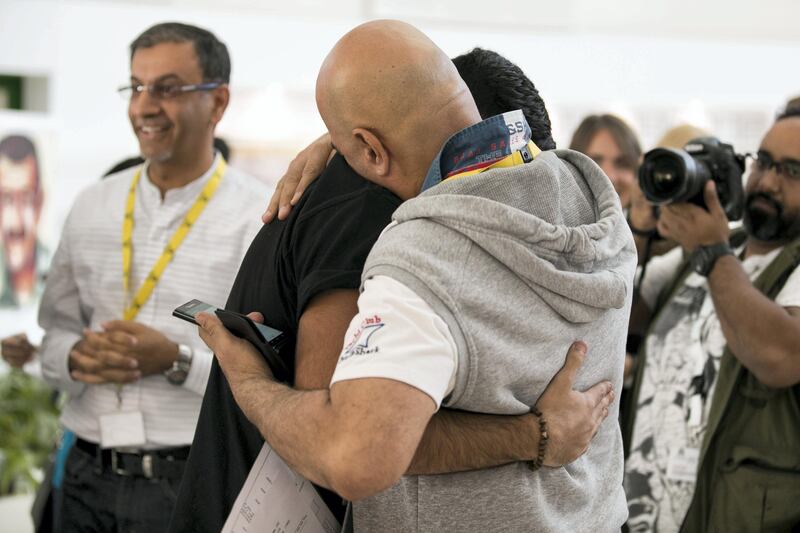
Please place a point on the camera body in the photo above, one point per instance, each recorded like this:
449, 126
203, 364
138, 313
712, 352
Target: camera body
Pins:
675, 176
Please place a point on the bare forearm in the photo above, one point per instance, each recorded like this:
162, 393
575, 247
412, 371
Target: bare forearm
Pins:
456, 441
296, 424
761, 334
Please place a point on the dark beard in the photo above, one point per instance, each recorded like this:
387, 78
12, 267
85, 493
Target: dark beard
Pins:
769, 227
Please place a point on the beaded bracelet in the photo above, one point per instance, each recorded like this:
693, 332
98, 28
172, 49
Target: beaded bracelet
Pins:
537, 463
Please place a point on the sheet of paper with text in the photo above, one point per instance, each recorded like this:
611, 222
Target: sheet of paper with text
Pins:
276, 499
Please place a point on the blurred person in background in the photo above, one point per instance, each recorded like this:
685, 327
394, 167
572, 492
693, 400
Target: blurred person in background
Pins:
134, 247
17, 350
679, 136
614, 146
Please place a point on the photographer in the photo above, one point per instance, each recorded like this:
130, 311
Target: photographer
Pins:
714, 443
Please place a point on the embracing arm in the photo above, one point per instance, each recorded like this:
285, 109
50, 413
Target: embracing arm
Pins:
302, 171
360, 437
342, 439
320, 332
456, 440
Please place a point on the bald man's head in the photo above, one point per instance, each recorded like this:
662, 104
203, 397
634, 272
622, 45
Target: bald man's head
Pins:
390, 98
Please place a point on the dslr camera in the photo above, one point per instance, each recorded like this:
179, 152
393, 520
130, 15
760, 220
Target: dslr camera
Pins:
675, 176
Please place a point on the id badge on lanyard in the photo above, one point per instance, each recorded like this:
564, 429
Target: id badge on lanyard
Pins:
125, 428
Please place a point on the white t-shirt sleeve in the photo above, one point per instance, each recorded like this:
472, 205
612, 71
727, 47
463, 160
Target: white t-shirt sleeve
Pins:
660, 270
396, 335
790, 293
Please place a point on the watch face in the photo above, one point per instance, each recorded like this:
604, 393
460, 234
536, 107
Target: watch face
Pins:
176, 376
704, 257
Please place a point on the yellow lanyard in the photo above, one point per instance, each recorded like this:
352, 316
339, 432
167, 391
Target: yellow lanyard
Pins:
511, 160
146, 289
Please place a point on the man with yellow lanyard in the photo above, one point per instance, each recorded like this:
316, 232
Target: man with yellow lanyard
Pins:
134, 247
498, 259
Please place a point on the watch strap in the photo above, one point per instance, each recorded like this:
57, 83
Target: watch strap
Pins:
179, 370
705, 257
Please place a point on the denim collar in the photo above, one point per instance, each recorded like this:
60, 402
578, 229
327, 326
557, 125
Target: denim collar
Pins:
478, 146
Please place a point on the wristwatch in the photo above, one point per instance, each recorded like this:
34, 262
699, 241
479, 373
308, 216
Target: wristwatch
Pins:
180, 368
704, 257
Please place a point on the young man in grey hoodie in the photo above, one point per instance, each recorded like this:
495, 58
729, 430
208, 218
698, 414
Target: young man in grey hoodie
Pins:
506, 253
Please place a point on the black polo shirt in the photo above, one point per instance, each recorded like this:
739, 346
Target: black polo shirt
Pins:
321, 246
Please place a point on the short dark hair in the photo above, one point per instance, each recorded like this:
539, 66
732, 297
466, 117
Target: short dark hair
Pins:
622, 134
793, 103
791, 111
223, 148
219, 144
498, 86
212, 54
17, 148
124, 165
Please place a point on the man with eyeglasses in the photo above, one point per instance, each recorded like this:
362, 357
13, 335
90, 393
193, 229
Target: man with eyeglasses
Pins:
134, 247
715, 430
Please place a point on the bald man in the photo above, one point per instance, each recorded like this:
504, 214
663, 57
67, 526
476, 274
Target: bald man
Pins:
507, 252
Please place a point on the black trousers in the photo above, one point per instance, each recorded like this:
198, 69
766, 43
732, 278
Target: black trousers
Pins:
98, 500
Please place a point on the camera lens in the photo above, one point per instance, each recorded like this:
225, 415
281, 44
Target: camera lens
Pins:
674, 176
668, 175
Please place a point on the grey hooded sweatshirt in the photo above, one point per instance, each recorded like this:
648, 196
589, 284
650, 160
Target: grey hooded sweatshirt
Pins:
519, 262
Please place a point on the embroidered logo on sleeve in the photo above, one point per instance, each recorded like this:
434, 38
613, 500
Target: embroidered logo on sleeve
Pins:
360, 343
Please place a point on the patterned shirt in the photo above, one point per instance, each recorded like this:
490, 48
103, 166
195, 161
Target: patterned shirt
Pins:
684, 345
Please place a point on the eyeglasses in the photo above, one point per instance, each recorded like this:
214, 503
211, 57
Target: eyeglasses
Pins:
165, 91
788, 167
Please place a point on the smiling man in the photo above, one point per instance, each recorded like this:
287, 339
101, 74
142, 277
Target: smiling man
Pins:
135, 246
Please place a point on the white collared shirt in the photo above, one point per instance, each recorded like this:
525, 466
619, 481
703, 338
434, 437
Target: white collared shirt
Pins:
84, 289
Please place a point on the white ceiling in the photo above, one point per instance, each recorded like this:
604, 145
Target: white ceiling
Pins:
740, 20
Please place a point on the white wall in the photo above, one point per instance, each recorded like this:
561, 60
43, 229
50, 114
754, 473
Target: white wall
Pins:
654, 65
82, 46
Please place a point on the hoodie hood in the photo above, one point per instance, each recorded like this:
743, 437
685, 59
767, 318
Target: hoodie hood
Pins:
556, 223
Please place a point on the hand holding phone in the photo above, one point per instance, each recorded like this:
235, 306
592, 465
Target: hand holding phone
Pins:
267, 341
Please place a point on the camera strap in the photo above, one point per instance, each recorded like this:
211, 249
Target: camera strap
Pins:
132, 307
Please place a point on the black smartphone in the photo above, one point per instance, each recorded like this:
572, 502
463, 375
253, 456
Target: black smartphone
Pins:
267, 340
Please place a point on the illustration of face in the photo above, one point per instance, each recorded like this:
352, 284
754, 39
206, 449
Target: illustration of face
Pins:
20, 207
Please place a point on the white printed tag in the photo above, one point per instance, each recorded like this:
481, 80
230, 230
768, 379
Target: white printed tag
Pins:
682, 465
121, 430
275, 498
695, 411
